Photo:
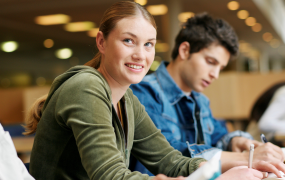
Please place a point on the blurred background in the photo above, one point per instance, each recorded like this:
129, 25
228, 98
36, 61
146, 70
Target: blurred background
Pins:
41, 39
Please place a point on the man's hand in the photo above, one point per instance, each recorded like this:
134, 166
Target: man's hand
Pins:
267, 152
262, 151
240, 144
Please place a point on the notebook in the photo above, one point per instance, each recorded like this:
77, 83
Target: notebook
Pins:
209, 171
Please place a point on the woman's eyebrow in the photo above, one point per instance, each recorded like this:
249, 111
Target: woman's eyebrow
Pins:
135, 36
131, 34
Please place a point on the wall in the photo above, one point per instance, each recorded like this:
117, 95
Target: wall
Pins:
233, 94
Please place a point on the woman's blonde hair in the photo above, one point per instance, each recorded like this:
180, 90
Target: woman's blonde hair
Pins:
34, 115
115, 13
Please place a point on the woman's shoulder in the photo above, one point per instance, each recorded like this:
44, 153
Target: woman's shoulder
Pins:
81, 79
87, 76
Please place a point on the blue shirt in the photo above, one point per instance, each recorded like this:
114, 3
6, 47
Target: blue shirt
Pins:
180, 117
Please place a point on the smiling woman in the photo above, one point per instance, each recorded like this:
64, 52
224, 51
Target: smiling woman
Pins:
90, 122
128, 52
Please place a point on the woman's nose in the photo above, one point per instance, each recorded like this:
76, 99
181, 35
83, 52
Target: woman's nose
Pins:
139, 53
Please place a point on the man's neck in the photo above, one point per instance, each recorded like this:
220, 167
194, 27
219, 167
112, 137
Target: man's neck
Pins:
173, 70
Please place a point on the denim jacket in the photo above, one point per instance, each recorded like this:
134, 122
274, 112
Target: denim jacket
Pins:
173, 112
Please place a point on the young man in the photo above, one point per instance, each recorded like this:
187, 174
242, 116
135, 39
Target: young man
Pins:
173, 99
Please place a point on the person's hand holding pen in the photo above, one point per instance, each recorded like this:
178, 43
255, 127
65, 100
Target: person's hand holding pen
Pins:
267, 157
264, 141
263, 151
263, 138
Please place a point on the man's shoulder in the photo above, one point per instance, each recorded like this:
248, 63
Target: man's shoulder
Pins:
148, 90
149, 79
149, 82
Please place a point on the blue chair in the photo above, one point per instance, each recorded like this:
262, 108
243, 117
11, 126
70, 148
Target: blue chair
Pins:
14, 130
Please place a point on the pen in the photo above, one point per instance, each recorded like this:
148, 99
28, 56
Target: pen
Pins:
250, 155
263, 138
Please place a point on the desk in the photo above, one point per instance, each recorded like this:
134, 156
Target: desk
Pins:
23, 144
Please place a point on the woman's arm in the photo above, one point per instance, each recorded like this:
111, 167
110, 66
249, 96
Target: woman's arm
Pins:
153, 150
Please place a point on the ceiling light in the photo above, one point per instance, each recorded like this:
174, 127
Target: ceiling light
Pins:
52, 19
141, 2
64, 53
182, 17
242, 14
233, 5
267, 36
48, 43
79, 26
257, 27
93, 32
155, 10
250, 21
9, 46
274, 43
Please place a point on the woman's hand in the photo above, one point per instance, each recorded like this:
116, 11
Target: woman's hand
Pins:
269, 167
242, 172
163, 177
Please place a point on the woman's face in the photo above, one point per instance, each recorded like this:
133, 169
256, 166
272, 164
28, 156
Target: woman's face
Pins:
128, 51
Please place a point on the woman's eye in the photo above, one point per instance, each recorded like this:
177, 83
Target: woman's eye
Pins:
148, 44
128, 41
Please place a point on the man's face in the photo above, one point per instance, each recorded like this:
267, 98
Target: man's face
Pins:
203, 67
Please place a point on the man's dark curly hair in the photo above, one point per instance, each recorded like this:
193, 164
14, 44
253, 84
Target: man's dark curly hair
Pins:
202, 30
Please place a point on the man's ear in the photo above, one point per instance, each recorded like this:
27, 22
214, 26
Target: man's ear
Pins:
100, 42
184, 50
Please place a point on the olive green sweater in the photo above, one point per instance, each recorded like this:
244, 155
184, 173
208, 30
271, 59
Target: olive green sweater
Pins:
80, 136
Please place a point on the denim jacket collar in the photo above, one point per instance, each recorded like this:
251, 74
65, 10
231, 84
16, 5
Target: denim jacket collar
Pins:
168, 85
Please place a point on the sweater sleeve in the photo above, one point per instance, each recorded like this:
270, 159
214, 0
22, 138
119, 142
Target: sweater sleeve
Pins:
153, 150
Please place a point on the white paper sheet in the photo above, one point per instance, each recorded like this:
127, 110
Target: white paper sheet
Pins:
209, 170
11, 166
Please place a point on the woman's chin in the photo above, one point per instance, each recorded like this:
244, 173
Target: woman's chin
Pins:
136, 80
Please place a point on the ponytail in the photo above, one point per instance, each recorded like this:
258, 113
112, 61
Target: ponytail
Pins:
34, 115
95, 62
